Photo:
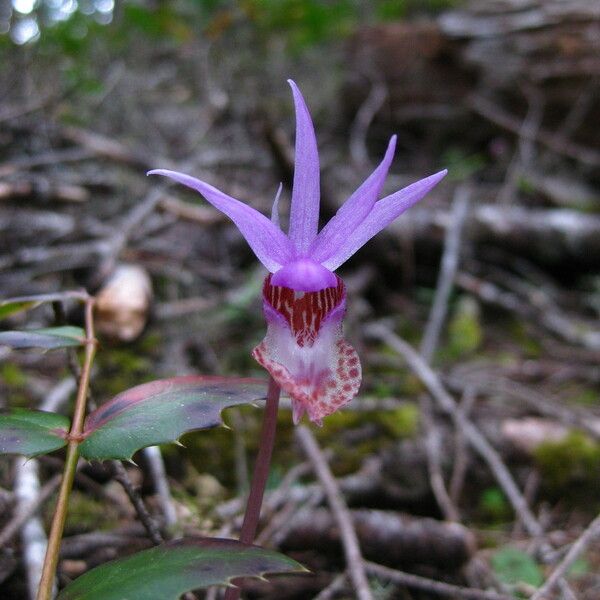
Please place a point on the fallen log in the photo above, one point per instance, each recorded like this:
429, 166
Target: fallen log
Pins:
385, 536
548, 236
484, 59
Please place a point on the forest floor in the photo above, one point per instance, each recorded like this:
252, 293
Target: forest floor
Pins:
470, 460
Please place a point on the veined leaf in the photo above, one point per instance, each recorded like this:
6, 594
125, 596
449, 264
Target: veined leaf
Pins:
8, 308
161, 411
32, 432
513, 566
169, 570
11, 306
48, 338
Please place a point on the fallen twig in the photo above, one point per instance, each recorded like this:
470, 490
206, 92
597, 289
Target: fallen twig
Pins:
362, 121
475, 438
535, 307
429, 343
340, 511
27, 510
448, 268
161, 485
33, 536
120, 475
337, 585
429, 585
386, 536
553, 141
579, 546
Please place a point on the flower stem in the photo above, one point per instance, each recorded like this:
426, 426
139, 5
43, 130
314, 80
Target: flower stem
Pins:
261, 472
60, 513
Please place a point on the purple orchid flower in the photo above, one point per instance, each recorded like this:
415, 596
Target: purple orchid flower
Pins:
303, 300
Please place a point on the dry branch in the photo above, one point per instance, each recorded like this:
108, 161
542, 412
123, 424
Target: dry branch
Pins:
579, 546
548, 236
429, 585
473, 435
386, 536
341, 514
505, 47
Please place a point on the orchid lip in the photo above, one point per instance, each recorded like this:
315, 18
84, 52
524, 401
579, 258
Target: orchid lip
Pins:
304, 274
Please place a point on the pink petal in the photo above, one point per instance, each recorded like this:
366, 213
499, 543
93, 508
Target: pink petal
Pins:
382, 214
304, 212
353, 211
269, 243
304, 350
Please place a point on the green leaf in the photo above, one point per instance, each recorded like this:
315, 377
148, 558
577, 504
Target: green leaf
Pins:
8, 308
580, 567
48, 338
169, 570
11, 306
513, 566
32, 432
161, 411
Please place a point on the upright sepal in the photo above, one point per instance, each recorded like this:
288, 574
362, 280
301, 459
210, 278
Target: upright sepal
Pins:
304, 213
381, 215
353, 212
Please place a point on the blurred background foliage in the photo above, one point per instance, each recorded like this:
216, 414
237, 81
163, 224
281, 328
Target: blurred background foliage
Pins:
65, 24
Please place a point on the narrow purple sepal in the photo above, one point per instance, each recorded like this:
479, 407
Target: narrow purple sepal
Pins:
382, 214
275, 209
269, 243
304, 275
304, 212
351, 214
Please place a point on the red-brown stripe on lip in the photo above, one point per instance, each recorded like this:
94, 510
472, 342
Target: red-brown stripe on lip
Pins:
304, 311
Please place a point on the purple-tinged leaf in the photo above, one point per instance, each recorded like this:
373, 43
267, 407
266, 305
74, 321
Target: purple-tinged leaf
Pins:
47, 339
171, 569
271, 246
161, 411
304, 211
382, 214
32, 432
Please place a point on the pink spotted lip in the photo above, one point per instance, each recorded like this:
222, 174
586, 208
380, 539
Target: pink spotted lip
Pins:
304, 350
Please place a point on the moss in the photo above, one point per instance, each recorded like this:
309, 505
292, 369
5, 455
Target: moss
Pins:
573, 460
530, 347
338, 422
86, 514
382, 389
402, 422
586, 397
124, 367
493, 506
211, 452
12, 376
465, 333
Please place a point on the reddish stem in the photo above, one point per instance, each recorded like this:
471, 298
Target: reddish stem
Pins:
261, 472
